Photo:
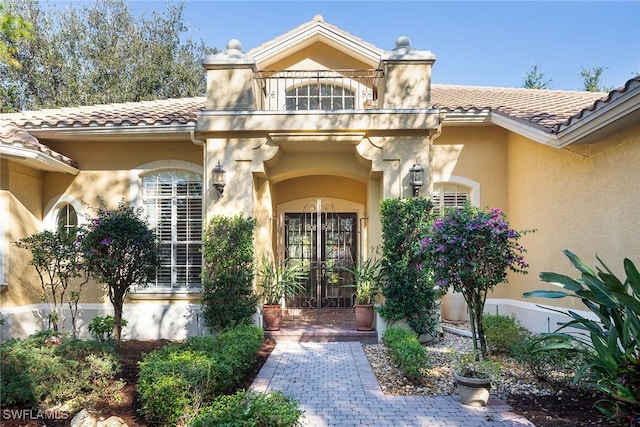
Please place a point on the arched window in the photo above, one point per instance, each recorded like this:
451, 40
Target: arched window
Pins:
325, 96
172, 199
447, 195
66, 218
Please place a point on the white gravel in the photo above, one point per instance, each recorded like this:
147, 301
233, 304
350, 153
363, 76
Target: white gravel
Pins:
438, 380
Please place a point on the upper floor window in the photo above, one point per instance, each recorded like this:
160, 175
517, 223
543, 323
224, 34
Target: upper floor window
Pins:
447, 195
173, 202
324, 96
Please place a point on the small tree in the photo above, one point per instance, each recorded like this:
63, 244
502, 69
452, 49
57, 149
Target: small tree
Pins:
408, 287
535, 79
471, 249
56, 258
592, 79
228, 297
120, 251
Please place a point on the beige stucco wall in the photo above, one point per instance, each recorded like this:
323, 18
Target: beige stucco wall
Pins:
317, 56
587, 205
105, 175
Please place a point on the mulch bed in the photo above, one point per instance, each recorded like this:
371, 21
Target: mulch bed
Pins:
569, 409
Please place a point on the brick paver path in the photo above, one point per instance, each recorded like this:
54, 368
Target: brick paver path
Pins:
335, 386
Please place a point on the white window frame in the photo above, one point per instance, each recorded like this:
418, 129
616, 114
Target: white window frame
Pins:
347, 93
136, 191
471, 185
52, 210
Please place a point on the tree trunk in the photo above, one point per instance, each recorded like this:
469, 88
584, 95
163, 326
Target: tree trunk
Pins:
118, 302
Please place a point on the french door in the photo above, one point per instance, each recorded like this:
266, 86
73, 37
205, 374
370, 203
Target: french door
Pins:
325, 242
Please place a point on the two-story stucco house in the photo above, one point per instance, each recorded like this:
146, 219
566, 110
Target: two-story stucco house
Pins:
314, 129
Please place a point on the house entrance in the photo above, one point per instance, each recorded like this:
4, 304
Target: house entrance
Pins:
324, 241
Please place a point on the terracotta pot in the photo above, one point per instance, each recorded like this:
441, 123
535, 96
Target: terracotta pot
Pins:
364, 317
473, 391
271, 317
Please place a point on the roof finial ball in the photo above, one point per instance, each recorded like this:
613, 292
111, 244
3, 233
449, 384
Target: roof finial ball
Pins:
234, 44
403, 42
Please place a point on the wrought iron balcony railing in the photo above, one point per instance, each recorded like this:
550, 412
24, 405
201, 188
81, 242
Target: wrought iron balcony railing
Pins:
301, 90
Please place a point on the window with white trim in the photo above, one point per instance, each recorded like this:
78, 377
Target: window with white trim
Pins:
325, 96
66, 218
172, 200
447, 195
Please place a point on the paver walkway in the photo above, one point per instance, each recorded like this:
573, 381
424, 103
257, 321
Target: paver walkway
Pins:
336, 386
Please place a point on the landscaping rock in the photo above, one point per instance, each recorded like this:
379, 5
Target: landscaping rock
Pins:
112, 422
85, 418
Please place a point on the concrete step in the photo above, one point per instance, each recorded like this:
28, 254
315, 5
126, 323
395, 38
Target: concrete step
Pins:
322, 334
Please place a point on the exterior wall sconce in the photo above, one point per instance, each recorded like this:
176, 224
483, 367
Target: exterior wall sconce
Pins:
415, 178
219, 178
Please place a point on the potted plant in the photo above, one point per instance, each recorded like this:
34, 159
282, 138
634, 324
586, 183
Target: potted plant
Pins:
278, 280
367, 277
474, 378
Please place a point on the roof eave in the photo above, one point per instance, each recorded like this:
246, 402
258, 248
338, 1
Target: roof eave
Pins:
524, 129
36, 159
113, 131
601, 118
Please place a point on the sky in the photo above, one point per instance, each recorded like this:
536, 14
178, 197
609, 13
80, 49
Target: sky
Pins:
479, 43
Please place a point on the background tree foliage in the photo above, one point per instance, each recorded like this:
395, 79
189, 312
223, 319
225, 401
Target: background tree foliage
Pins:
98, 53
535, 79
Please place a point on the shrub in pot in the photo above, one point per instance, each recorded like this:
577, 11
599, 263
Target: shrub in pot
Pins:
278, 280
367, 280
474, 378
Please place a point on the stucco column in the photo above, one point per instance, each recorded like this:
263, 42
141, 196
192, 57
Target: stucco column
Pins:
407, 77
230, 79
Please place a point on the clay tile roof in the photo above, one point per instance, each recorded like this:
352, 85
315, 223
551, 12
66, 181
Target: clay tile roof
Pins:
545, 109
13, 136
168, 112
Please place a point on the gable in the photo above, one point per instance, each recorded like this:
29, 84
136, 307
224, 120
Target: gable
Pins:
319, 55
312, 33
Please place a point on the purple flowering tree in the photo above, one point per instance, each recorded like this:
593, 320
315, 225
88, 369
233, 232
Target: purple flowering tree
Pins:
120, 251
472, 250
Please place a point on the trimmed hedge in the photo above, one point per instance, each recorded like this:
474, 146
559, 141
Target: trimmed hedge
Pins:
407, 352
248, 409
177, 379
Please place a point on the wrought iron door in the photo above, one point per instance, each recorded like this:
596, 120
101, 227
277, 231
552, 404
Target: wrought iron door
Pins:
325, 242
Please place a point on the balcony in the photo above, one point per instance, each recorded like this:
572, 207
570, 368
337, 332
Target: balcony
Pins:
327, 90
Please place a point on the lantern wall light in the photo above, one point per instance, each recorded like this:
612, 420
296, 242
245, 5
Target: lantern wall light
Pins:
219, 178
415, 178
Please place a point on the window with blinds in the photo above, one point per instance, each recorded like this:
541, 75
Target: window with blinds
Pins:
173, 202
447, 195
320, 97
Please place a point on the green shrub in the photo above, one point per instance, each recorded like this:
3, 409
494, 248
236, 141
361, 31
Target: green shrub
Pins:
38, 374
503, 333
228, 297
410, 356
609, 345
101, 328
408, 288
178, 378
246, 408
546, 363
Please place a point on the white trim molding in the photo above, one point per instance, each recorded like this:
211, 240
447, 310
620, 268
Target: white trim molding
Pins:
473, 186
